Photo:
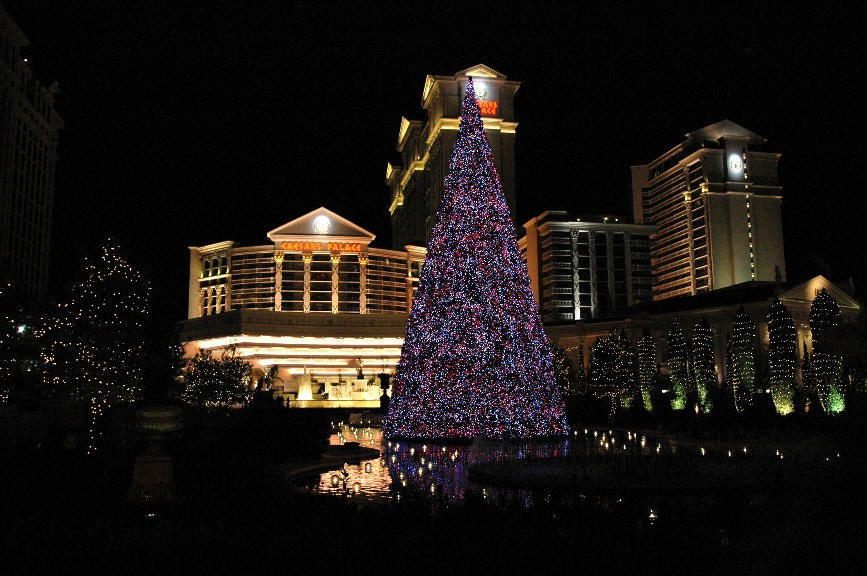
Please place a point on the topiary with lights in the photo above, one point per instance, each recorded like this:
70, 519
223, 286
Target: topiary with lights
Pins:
646, 368
678, 365
627, 370
93, 346
827, 367
743, 350
782, 357
475, 360
703, 365
605, 370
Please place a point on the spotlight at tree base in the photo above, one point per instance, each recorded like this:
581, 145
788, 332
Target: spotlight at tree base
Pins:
475, 360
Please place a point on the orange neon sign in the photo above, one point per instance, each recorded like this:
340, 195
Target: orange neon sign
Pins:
318, 246
488, 107
343, 247
304, 246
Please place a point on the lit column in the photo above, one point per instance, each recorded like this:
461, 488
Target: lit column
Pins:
362, 283
609, 260
627, 263
203, 299
594, 288
278, 281
576, 277
687, 207
307, 257
335, 281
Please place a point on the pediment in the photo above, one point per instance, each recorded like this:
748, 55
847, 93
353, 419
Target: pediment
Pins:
481, 71
726, 129
805, 293
321, 224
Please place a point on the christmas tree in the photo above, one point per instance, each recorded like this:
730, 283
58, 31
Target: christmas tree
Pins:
828, 368
93, 345
678, 365
646, 367
743, 346
782, 357
475, 359
606, 372
703, 363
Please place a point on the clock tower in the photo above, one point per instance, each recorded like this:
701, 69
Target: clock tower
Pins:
425, 147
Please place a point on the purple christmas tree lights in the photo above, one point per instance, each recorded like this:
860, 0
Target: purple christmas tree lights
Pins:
475, 359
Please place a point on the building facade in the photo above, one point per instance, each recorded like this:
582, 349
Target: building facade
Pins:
317, 300
416, 186
719, 308
29, 127
716, 202
586, 267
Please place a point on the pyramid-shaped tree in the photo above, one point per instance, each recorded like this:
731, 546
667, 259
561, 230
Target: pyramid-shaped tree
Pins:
475, 358
827, 367
782, 357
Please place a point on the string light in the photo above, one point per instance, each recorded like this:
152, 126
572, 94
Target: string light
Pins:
93, 345
678, 365
646, 368
703, 363
782, 357
743, 359
827, 367
475, 359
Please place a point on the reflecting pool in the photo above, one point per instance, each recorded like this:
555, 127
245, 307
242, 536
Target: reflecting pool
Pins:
591, 467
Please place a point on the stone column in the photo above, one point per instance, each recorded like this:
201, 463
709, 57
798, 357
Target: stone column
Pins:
362, 283
335, 282
307, 257
278, 281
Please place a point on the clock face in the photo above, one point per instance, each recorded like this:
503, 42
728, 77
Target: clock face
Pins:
735, 163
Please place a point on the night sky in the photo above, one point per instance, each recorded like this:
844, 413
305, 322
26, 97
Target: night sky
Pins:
191, 123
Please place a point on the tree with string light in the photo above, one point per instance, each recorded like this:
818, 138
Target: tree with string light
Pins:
646, 368
743, 347
93, 343
606, 373
627, 370
217, 381
564, 372
827, 367
678, 365
703, 372
475, 360
782, 357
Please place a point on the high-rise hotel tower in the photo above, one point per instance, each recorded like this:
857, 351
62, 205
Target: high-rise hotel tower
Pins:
28, 156
426, 147
716, 202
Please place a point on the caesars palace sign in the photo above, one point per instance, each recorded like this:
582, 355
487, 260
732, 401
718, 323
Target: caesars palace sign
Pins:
305, 246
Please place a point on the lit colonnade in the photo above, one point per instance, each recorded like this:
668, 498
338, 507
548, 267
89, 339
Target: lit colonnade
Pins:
317, 301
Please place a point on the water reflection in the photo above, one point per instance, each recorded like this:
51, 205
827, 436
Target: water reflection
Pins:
440, 473
617, 461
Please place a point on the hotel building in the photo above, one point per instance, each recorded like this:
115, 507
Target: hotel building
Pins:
317, 300
425, 147
586, 267
28, 155
716, 202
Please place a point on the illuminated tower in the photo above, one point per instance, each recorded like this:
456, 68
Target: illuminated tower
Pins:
28, 156
716, 201
425, 148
